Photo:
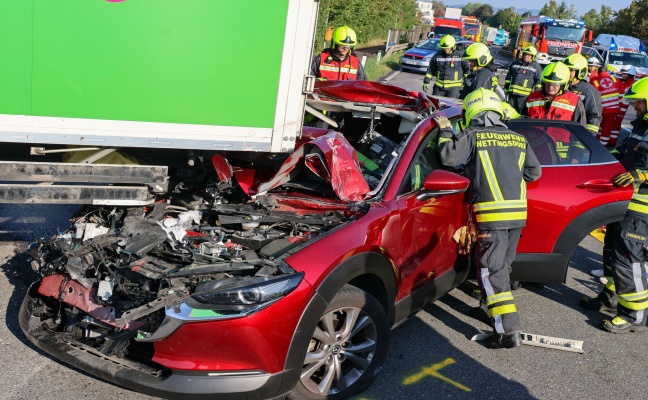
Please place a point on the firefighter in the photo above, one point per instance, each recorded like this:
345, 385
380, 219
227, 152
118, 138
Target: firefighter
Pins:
448, 69
522, 78
482, 71
553, 101
338, 63
593, 66
590, 96
623, 254
611, 90
498, 161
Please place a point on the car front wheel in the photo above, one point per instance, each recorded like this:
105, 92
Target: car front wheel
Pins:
347, 349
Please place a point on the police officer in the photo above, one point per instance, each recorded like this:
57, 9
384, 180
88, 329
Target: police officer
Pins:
623, 257
590, 96
553, 101
338, 63
482, 71
448, 69
522, 78
497, 161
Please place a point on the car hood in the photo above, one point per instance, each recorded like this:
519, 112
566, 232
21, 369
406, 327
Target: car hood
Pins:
420, 53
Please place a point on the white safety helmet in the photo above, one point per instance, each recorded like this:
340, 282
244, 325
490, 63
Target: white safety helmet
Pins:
629, 69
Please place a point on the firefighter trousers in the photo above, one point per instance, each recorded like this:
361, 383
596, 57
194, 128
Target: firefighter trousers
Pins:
609, 296
517, 102
446, 92
495, 253
628, 272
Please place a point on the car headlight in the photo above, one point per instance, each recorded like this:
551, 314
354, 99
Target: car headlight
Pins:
241, 293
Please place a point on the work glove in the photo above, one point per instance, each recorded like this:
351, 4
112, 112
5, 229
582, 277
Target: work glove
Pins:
630, 177
426, 86
466, 237
442, 122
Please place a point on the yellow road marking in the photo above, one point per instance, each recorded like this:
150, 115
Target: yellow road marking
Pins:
433, 371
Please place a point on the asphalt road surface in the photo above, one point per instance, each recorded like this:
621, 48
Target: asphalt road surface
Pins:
430, 355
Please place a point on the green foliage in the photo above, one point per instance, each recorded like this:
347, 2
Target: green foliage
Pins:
484, 12
559, 11
371, 19
599, 22
376, 70
632, 21
508, 18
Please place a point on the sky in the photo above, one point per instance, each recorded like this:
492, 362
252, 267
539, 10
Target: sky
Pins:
582, 6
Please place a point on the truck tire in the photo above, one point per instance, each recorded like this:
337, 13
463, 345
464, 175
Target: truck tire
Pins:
347, 348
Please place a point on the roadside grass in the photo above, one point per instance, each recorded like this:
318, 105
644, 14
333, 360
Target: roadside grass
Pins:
376, 70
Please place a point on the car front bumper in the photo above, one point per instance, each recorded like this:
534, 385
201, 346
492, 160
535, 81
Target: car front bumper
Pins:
414, 64
163, 382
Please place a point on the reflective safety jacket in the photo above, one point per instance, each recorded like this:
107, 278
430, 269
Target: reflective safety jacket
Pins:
482, 78
611, 90
625, 103
327, 66
592, 101
522, 78
498, 163
567, 107
447, 69
633, 155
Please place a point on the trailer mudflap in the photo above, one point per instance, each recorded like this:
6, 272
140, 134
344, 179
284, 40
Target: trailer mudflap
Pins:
69, 183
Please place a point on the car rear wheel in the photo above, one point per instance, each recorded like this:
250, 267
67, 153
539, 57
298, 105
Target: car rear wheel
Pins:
347, 349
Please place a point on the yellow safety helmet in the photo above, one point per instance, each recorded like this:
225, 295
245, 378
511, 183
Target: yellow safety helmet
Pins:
578, 63
530, 50
556, 73
478, 101
345, 36
638, 91
448, 42
509, 112
478, 52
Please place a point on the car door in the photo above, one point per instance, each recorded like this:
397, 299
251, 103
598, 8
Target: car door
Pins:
427, 248
577, 173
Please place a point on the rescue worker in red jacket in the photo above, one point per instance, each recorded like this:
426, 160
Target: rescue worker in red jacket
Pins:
593, 66
611, 90
590, 96
498, 162
448, 69
553, 101
522, 78
626, 289
338, 63
482, 69
627, 78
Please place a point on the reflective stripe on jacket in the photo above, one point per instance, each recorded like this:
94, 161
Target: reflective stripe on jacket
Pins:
562, 107
611, 90
522, 78
592, 102
332, 69
447, 69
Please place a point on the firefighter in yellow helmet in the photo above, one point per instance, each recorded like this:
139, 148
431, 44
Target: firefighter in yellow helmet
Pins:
482, 71
447, 68
626, 291
338, 62
591, 97
498, 162
522, 78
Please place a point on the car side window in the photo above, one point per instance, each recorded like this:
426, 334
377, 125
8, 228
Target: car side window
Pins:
425, 161
555, 144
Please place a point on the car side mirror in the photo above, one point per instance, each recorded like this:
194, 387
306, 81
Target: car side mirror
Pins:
442, 183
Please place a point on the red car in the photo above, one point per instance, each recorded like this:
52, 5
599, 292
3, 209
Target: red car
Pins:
281, 274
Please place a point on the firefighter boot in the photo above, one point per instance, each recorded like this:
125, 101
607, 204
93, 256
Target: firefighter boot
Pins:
596, 304
504, 340
620, 325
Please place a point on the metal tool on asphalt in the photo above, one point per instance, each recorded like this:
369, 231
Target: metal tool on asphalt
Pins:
549, 342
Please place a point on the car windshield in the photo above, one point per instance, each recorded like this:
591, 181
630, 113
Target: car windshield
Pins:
446, 30
623, 58
563, 33
471, 29
431, 44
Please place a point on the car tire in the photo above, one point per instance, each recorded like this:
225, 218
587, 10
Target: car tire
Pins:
347, 348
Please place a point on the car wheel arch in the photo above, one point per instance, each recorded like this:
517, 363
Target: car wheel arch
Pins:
368, 270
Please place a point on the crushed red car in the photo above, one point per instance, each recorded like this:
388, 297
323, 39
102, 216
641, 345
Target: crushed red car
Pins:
266, 275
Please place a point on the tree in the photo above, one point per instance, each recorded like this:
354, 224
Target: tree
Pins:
631, 21
508, 18
598, 22
484, 12
553, 9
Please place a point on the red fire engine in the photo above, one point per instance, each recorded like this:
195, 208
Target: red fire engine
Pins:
555, 39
